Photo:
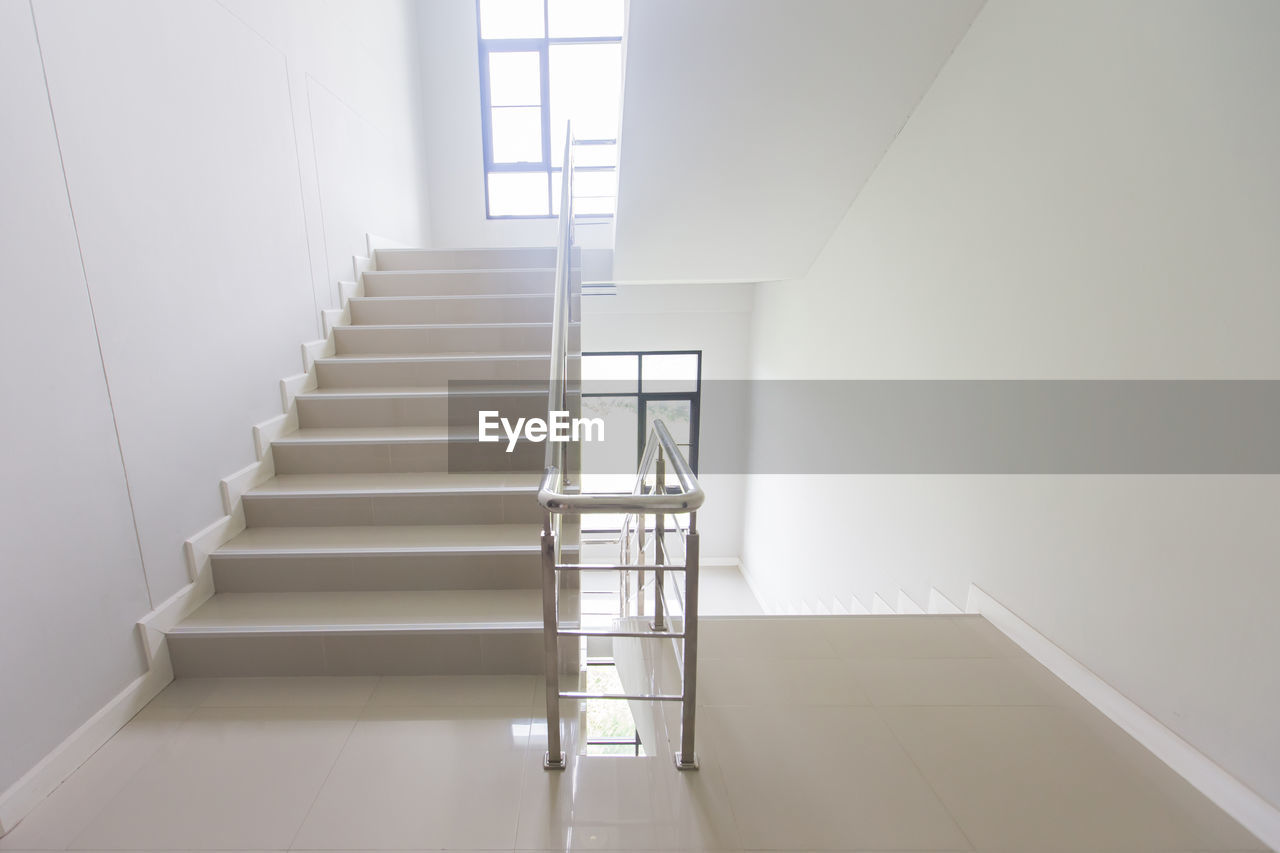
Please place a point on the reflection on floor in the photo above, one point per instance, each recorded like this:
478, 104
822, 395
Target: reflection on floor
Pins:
865, 732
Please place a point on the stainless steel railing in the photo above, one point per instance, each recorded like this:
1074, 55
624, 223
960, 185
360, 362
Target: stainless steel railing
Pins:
559, 499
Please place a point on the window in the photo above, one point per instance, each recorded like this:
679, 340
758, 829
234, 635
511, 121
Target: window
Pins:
542, 64
629, 390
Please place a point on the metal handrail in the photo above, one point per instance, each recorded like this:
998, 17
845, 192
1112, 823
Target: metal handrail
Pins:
688, 499
557, 500
557, 390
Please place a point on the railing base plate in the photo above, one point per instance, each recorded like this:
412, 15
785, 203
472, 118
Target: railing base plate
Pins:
549, 764
681, 764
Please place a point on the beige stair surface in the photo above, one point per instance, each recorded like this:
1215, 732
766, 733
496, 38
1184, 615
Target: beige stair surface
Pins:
399, 338
390, 540
366, 612
471, 309
458, 259
458, 282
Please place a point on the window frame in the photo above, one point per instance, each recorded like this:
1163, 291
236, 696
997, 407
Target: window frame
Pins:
643, 398
541, 46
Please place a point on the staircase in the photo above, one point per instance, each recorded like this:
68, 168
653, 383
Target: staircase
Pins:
365, 553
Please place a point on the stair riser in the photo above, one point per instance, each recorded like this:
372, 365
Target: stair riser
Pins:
408, 374
375, 340
483, 259
349, 511
379, 458
364, 572
317, 412
458, 283
421, 653
535, 309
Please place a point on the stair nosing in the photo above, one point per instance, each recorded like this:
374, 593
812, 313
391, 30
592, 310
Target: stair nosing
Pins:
453, 296
466, 271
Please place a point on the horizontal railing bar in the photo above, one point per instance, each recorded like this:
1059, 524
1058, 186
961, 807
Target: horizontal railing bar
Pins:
610, 567
588, 503
643, 635
635, 697
688, 499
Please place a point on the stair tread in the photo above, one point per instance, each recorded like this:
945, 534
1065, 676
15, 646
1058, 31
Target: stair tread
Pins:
505, 537
452, 296
328, 435
361, 612
398, 483
466, 271
511, 325
486, 387
433, 357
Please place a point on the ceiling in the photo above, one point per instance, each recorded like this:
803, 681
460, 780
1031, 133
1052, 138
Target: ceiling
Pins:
749, 126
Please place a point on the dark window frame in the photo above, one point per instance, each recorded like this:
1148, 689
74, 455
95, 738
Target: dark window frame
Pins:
642, 397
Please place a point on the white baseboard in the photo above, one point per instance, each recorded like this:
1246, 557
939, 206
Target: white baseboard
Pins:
1229, 793
939, 603
25, 794
40, 781
907, 604
880, 607
374, 242
766, 605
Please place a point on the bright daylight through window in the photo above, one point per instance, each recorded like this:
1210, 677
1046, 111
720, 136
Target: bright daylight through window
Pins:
542, 64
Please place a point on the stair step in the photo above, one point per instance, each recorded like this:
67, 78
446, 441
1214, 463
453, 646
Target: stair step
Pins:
356, 371
457, 259
441, 556
398, 449
393, 499
448, 337
415, 632
479, 308
432, 406
458, 282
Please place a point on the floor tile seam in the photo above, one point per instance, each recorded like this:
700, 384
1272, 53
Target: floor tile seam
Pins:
955, 820
118, 791
325, 781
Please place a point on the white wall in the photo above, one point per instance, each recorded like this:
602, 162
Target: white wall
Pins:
451, 76
749, 125
715, 319
222, 163
1089, 190
69, 561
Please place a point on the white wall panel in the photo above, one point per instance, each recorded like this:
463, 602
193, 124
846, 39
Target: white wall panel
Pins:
70, 571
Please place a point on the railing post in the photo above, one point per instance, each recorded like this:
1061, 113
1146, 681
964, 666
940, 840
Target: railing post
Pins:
554, 758
686, 758
640, 558
659, 548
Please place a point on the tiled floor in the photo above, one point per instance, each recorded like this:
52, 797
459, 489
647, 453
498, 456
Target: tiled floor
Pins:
853, 733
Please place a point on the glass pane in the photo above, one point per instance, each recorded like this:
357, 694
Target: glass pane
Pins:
518, 194
676, 414
615, 456
517, 134
610, 374
584, 18
594, 206
676, 372
595, 155
608, 718
514, 79
511, 19
594, 184
586, 86
582, 205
